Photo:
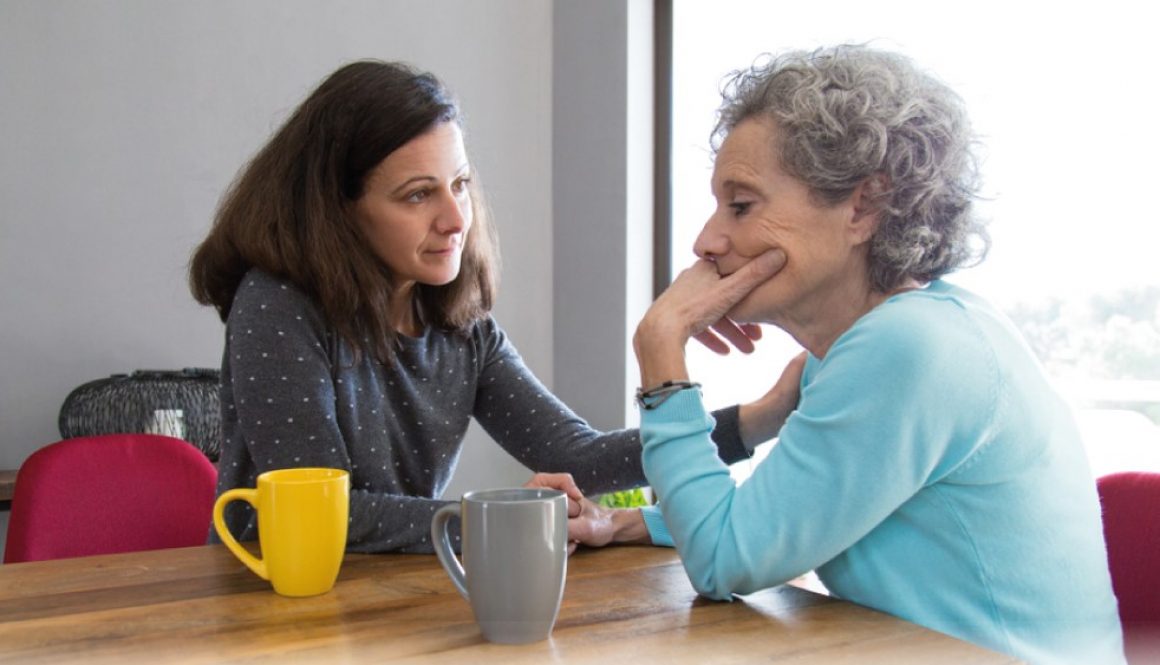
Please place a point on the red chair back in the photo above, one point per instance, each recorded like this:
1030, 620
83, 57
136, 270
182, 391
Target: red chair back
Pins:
107, 494
1131, 508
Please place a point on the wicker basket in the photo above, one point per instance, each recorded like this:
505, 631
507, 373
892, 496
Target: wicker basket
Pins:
127, 403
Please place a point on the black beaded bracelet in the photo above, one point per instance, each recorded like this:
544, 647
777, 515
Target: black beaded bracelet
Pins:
655, 396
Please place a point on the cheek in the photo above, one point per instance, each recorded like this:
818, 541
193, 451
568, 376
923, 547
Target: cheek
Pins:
754, 240
468, 214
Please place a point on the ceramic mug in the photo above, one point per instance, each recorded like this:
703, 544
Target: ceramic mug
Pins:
515, 556
302, 521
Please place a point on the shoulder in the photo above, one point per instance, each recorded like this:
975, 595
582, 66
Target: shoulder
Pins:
486, 333
259, 287
492, 344
927, 336
262, 296
937, 319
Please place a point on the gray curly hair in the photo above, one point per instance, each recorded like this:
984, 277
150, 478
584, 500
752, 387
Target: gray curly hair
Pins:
848, 112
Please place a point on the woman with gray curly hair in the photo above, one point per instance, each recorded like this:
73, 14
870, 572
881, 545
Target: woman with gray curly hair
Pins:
924, 465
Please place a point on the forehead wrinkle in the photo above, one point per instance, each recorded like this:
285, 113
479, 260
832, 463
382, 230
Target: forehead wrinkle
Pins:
737, 177
738, 172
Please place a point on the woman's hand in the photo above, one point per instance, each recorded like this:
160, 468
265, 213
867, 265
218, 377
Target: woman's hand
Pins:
597, 526
590, 523
695, 305
562, 482
761, 420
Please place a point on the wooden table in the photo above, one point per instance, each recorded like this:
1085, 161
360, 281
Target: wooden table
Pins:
621, 605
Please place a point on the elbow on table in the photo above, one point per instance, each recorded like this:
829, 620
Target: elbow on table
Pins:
726, 576
711, 584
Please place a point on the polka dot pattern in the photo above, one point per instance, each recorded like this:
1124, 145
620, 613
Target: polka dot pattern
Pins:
293, 394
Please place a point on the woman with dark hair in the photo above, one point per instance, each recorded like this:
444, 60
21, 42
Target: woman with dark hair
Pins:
355, 267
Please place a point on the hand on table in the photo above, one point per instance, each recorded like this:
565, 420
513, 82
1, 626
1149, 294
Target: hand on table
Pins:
589, 523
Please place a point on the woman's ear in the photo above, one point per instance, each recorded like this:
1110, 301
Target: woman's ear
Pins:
869, 198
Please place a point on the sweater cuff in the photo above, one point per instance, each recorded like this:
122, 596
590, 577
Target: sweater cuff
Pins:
654, 521
727, 435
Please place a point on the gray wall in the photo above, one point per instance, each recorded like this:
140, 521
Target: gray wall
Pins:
602, 115
123, 121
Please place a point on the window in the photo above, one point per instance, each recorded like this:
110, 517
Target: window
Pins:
1062, 103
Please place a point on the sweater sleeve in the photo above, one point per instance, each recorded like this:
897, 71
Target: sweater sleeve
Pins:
870, 430
540, 431
280, 380
282, 388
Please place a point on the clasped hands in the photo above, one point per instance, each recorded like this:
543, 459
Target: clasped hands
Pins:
589, 523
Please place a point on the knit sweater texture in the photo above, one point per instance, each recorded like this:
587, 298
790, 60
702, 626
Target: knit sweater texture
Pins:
929, 471
295, 395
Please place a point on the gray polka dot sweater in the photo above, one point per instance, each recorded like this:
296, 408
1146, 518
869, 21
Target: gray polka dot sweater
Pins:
293, 396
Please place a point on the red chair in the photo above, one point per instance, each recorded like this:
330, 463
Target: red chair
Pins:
110, 493
1131, 506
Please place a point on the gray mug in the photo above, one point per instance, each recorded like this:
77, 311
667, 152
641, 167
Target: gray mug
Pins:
515, 556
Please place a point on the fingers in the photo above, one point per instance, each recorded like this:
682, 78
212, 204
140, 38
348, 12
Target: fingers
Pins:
763, 267
557, 481
592, 527
741, 336
563, 482
740, 282
701, 299
732, 289
734, 334
712, 342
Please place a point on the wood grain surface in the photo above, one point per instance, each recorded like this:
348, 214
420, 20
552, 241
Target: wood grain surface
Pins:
625, 605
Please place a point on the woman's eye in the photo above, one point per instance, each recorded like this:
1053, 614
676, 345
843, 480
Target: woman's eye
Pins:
418, 196
740, 207
460, 185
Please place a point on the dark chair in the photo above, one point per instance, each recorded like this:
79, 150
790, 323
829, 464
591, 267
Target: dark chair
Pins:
1131, 513
107, 494
124, 403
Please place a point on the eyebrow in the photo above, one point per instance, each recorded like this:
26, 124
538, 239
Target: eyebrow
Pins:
463, 168
733, 184
412, 181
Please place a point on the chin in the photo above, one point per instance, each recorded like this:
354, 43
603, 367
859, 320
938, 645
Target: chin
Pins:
751, 309
442, 279
742, 314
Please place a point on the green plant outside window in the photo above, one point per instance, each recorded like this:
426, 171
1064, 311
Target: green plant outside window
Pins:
633, 498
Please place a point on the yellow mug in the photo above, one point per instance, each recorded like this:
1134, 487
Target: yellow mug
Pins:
302, 520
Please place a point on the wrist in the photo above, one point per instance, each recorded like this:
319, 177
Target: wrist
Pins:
628, 527
751, 425
761, 420
659, 360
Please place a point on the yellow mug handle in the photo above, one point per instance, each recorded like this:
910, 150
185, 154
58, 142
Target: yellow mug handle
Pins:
250, 496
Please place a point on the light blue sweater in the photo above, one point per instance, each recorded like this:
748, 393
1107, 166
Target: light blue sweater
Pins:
929, 471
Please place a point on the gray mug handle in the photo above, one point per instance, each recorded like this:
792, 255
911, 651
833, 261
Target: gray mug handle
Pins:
442, 542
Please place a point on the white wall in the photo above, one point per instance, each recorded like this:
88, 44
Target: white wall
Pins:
122, 122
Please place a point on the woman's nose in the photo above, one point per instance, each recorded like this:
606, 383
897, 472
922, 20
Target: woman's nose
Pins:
454, 215
710, 241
